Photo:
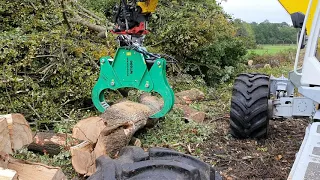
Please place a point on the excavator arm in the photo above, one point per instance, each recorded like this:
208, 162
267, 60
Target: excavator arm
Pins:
133, 66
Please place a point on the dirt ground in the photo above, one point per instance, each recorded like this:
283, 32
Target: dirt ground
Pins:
255, 159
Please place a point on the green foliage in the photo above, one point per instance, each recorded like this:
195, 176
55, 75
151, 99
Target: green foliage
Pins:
100, 5
199, 36
274, 33
47, 70
245, 33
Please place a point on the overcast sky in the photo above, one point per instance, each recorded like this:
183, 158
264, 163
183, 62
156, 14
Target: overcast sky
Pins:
257, 10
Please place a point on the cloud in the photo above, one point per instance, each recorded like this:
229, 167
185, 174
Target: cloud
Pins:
257, 10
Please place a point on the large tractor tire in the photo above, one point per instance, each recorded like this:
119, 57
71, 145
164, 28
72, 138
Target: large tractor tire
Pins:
249, 106
157, 164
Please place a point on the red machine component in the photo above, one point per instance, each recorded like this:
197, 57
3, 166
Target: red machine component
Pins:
137, 30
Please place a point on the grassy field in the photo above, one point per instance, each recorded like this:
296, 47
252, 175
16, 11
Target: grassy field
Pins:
271, 49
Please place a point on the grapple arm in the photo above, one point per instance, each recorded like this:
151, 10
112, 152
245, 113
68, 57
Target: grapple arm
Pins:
129, 69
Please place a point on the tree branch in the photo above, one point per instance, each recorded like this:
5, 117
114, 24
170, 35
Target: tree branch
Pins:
65, 15
91, 26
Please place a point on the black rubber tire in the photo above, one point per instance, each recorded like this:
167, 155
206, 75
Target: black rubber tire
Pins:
249, 106
157, 164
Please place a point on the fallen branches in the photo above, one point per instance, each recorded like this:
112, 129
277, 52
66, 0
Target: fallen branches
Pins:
93, 27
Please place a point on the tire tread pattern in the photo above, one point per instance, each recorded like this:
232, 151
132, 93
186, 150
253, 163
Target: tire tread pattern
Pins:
249, 106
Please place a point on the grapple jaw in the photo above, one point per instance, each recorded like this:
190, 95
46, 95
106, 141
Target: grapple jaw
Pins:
129, 69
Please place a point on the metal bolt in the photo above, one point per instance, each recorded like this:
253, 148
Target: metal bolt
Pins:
158, 63
147, 85
112, 83
103, 60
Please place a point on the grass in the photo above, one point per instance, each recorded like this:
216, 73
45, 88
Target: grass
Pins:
271, 49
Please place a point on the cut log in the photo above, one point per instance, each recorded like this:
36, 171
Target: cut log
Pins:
7, 174
35, 171
107, 134
52, 143
122, 121
19, 132
88, 129
191, 114
83, 158
189, 96
5, 143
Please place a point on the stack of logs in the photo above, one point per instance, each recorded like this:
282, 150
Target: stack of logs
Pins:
91, 137
15, 133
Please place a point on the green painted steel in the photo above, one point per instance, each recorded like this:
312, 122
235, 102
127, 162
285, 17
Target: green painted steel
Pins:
129, 69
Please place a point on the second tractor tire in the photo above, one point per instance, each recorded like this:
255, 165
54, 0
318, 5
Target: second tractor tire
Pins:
249, 106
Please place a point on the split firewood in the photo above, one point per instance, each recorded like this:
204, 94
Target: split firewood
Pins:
189, 96
88, 129
83, 158
52, 143
191, 114
19, 132
107, 134
8, 174
5, 143
4, 160
35, 171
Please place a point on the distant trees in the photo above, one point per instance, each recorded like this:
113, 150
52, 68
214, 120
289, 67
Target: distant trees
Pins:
266, 32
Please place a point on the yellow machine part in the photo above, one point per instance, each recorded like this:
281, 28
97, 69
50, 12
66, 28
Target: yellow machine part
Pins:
148, 6
293, 6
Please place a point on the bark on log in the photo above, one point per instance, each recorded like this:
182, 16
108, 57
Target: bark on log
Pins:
189, 96
107, 134
91, 26
52, 143
35, 171
19, 132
